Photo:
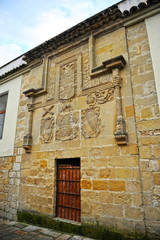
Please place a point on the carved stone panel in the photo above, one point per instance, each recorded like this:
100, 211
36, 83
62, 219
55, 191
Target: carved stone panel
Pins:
46, 129
66, 108
51, 80
85, 69
67, 126
100, 97
104, 96
91, 122
35, 77
67, 80
27, 143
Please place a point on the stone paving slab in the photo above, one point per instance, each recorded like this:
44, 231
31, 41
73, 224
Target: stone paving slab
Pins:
11, 230
76, 238
20, 225
2, 226
42, 237
50, 233
64, 237
11, 237
30, 228
11, 223
8, 230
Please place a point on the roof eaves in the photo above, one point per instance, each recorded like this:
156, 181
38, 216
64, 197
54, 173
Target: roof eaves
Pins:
140, 7
110, 14
12, 71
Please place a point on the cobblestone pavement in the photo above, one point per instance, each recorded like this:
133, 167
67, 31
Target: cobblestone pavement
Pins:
10, 230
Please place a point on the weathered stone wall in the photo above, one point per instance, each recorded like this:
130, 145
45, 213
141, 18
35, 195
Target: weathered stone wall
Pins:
147, 122
9, 185
76, 118
10, 167
81, 122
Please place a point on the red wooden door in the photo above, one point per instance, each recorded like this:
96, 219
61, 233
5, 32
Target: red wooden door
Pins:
68, 189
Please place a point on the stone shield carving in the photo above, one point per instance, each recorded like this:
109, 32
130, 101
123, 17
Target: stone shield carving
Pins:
90, 122
46, 129
67, 80
67, 126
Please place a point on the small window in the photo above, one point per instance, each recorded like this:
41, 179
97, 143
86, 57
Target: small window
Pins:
3, 103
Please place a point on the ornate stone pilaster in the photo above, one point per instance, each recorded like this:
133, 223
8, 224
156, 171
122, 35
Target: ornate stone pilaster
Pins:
91, 52
27, 140
120, 134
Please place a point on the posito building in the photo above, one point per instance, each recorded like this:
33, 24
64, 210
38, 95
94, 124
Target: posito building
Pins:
80, 136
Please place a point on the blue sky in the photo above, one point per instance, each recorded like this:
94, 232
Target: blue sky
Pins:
24, 24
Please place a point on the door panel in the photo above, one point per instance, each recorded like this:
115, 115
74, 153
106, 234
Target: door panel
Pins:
68, 189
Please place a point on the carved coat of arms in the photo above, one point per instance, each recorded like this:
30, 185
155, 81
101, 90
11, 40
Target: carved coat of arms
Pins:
67, 81
90, 122
67, 126
46, 129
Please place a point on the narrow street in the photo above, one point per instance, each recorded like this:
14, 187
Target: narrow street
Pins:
11, 230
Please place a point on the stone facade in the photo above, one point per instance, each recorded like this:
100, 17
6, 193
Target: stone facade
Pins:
9, 186
95, 100
147, 118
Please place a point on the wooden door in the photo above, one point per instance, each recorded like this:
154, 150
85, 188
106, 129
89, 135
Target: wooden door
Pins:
68, 189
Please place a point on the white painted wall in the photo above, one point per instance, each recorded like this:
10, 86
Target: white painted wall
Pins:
7, 141
153, 30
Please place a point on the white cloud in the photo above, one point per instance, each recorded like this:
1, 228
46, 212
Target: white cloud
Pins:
45, 26
55, 21
8, 52
27, 30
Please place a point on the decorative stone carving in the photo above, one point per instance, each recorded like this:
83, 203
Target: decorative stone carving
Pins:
90, 116
105, 96
27, 139
51, 81
86, 71
67, 80
66, 108
116, 77
27, 143
46, 129
48, 111
90, 122
100, 97
67, 126
30, 107
91, 100
120, 134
